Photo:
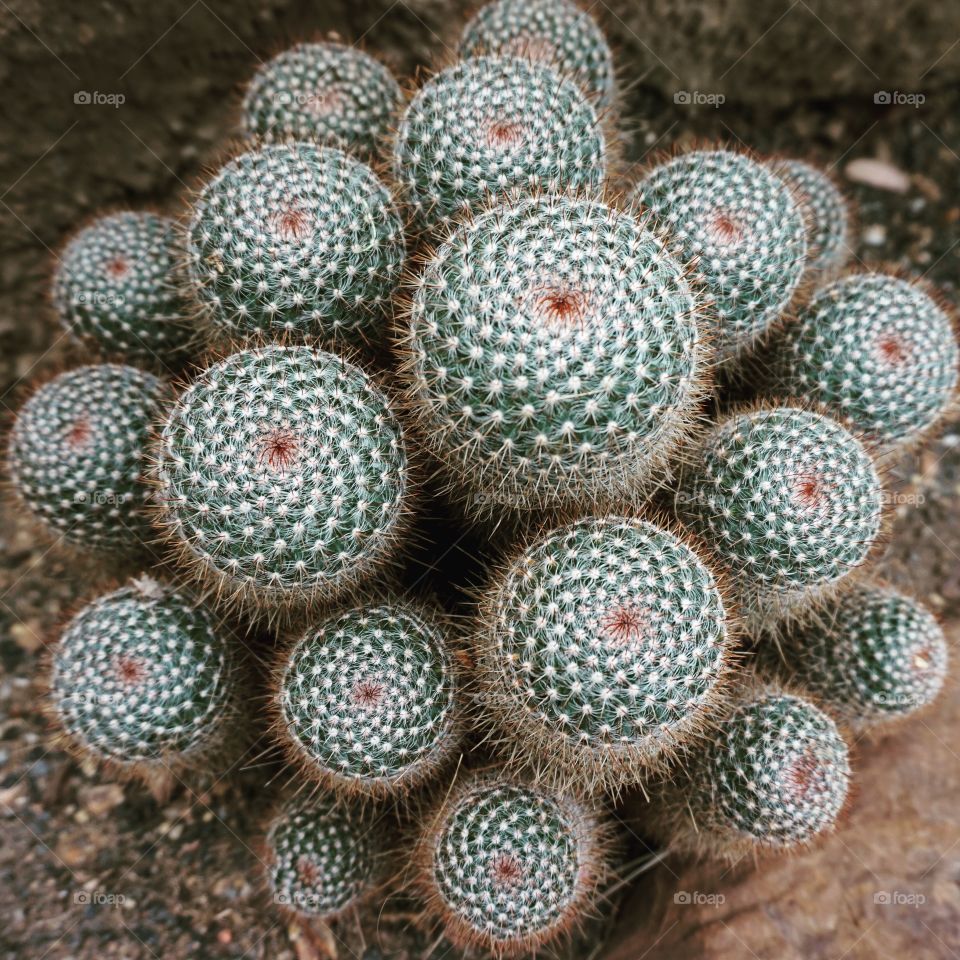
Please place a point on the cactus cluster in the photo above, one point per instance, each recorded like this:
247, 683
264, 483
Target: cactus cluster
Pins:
116, 288
492, 127
296, 240
78, 453
324, 92
875, 350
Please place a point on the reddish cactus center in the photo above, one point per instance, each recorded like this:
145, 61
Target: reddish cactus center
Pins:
324, 103
724, 227
367, 694
117, 267
892, 350
504, 133
625, 625
129, 670
803, 772
809, 490
561, 305
308, 873
291, 223
506, 870
278, 450
79, 433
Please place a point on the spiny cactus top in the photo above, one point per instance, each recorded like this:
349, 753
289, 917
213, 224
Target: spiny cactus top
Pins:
366, 698
283, 473
739, 226
828, 214
141, 676
320, 859
116, 289
555, 31
490, 127
327, 92
553, 352
605, 644
78, 450
871, 654
788, 498
773, 775
295, 239
509, 867
875, 349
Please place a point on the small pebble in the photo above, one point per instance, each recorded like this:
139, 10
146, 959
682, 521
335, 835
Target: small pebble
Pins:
875, 235
878, 174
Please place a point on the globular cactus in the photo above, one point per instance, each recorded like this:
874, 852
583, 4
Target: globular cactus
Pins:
772, 776
283, 475
364, 700
320, 858
116, 288
738, 226
789, 500
492, 127
295, 240
605, 648
556, 32
829, 221
78, 451
143, 680
327, 92
876, 351
869, 655
508, 867
553, 354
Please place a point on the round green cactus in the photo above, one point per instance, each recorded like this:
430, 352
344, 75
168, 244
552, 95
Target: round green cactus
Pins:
283, 475
116, 288
828, 217
789, 500
78, 452
605, 647
320, 859
295, 240
142, 678
736, 223
553, 354
871, 654
876, 351
365, 699
772, 776
491, 127
557, 32
508, 867
326, 92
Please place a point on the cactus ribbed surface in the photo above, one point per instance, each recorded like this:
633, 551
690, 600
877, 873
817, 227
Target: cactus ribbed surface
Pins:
116, 288
141, 676
605, 646
283, 474
875, 350
78, 452
557, 32
737, 224
366, 699
489, 128
326, 92
295, 240
553, 353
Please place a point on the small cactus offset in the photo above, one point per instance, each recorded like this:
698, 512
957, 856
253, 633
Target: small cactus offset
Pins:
773, 776
321, 858
876, 351
553, 354
365, 699
283, 475
789, 500
295, 240
143, 680
78, 452
870, 655
510, 868
327, 92
605, 648
738, 226
490, 127
829, 222
557, 32
116, 288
